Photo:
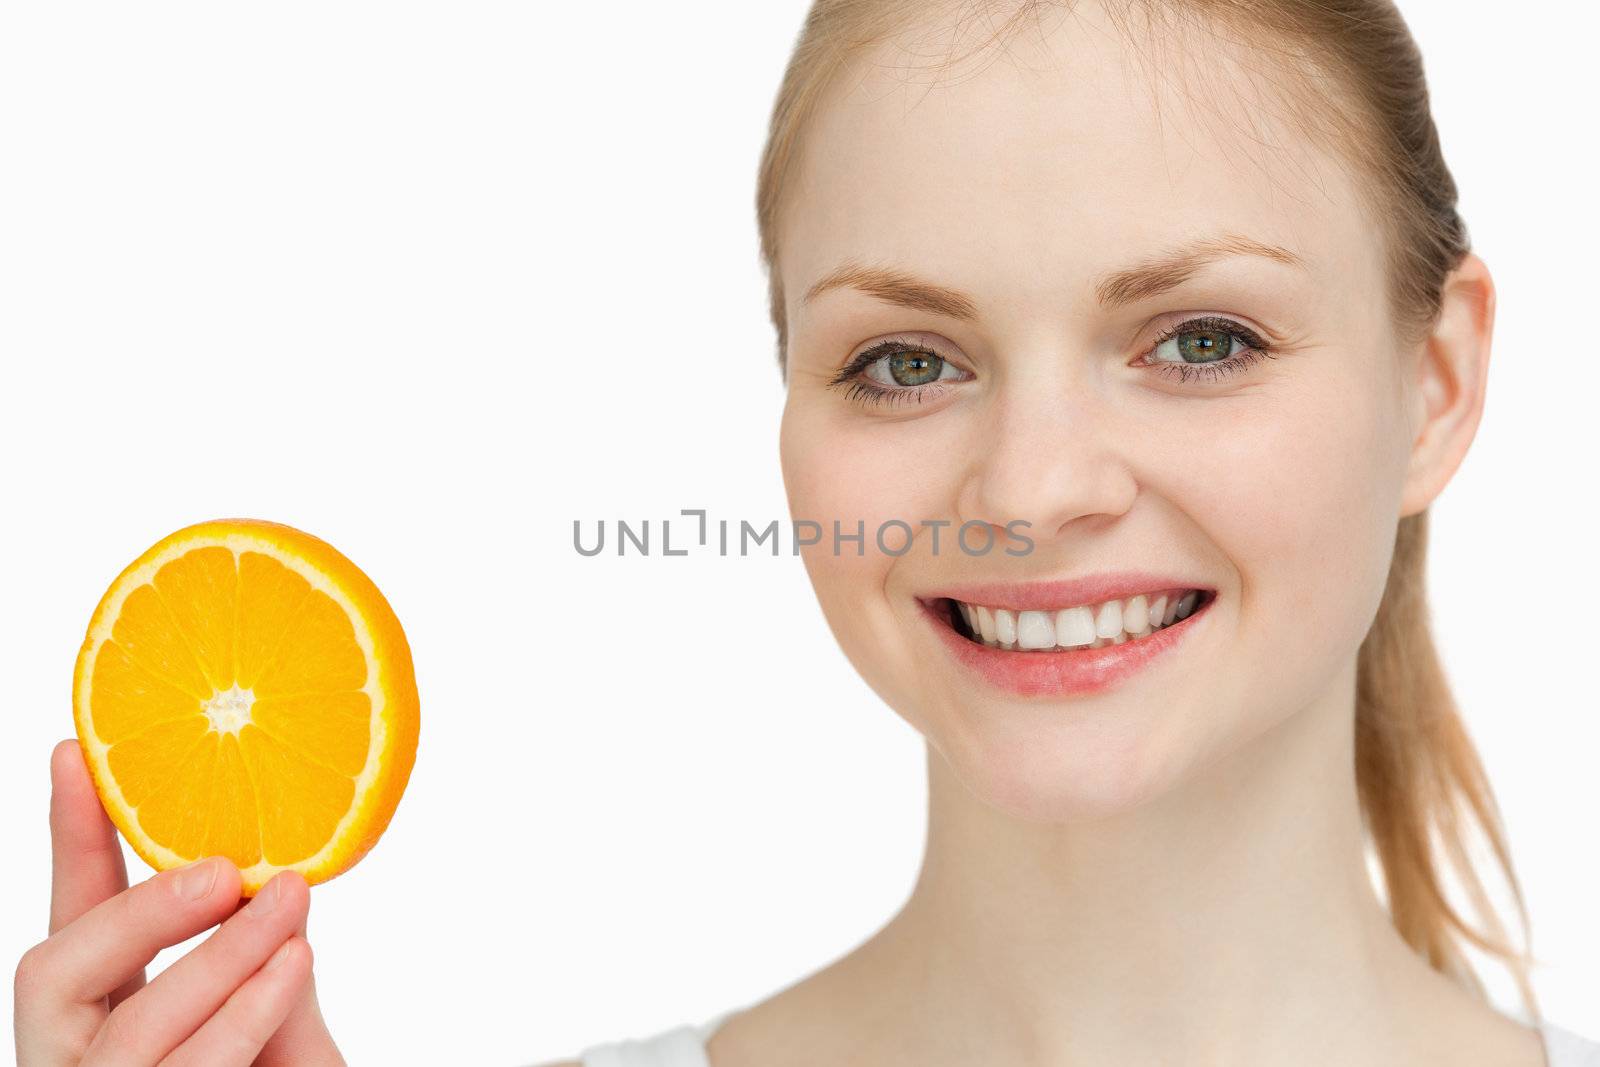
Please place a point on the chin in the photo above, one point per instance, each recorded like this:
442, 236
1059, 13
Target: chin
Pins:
1050, 765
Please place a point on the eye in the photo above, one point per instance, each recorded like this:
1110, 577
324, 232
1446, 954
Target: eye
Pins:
1196, 346
1210, 346
897, 370
910, 367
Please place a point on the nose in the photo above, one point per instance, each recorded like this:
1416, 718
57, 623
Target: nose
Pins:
1048, 460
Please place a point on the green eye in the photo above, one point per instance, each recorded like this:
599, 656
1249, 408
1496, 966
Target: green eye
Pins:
1206, 340
907, 368
915, 368
1203, 346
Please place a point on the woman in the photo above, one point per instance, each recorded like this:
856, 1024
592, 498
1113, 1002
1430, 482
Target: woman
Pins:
1136, 340
1177, 292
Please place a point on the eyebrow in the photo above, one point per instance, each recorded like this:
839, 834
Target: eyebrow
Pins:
1148, 278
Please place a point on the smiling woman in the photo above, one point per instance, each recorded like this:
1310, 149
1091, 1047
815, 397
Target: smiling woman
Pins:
1179, 288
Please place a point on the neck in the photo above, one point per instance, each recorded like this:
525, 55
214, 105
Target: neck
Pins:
1230, 920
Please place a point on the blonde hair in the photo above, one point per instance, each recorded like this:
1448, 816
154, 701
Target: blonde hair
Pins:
1355, 78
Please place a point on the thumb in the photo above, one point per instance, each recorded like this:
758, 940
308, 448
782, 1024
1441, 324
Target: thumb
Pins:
86, 856
86, 864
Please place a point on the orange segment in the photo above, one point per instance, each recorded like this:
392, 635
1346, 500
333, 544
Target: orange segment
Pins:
131, 699
148, 635
318, 654
235, 827
176, 812
201, 589
301, 800
273, 593
333, 728
244, 690
148, 760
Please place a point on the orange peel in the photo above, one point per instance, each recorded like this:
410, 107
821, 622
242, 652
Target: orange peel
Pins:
244, 690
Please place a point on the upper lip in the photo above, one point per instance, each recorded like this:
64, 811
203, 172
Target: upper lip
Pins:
1064, 592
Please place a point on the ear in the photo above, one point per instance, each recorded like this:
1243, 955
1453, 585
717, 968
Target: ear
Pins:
1451, 373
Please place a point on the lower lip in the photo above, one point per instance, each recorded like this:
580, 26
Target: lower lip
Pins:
1078, 671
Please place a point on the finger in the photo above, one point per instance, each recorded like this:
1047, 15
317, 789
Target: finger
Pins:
160, 1016
87, 865
127, 989
245, 1022
94, 955
302, 1040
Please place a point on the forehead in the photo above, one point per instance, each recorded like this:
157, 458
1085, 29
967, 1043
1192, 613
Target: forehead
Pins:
1026, 171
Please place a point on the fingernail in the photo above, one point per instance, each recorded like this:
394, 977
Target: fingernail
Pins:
268, 898
197, 879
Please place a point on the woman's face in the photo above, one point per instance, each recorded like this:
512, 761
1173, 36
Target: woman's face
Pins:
1047, 189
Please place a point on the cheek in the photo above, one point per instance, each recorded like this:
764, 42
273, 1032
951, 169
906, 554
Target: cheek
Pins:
865, 468
1299, 487
861, 475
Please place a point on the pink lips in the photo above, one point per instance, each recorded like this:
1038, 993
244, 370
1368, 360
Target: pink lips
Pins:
1094, 589
1068, 671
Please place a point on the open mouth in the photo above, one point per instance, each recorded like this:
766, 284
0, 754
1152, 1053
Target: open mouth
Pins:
1078, 626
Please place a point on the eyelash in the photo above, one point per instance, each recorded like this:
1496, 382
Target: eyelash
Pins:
862, 391
1255, 350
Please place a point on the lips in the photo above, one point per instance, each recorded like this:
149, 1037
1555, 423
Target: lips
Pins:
1068, 637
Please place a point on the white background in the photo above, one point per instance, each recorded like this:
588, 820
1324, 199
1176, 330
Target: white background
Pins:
432, 281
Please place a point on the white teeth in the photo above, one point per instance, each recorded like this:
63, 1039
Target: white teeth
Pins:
1085, 626
1035, 630
1005, 626
1136, 615
1108, 620
1074, 627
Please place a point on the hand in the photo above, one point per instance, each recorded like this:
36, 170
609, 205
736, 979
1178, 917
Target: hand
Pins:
243, 996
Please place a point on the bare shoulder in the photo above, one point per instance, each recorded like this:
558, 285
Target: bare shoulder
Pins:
1462, 1028
808, 1023
850, 1012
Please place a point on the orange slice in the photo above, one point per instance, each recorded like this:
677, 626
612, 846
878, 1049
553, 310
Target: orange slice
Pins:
245, 691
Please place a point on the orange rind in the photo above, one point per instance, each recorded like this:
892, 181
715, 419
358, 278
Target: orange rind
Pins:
244, 690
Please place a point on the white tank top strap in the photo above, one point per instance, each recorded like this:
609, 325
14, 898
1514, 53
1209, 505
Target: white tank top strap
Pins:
685, 1046
1565, 1048
681, 1046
